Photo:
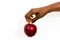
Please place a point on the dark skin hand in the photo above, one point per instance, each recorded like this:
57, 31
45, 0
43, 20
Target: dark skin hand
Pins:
41, 12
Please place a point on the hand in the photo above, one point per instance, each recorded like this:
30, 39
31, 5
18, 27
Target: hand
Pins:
38, 12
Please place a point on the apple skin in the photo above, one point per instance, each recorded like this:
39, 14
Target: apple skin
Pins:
30, 30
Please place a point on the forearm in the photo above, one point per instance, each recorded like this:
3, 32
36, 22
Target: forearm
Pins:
50, 8
54, 7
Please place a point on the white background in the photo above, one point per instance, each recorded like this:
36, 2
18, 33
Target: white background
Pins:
12, 20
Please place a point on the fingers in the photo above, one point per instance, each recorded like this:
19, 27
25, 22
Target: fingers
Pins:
29, 15
28, 19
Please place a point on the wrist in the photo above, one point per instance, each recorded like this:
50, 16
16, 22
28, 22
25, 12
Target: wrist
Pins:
48, 9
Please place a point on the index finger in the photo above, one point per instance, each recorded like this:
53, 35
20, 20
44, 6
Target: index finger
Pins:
27, 16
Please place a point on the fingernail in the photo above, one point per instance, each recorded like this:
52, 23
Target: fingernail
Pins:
29, 22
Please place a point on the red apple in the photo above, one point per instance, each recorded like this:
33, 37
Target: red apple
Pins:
30, 30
